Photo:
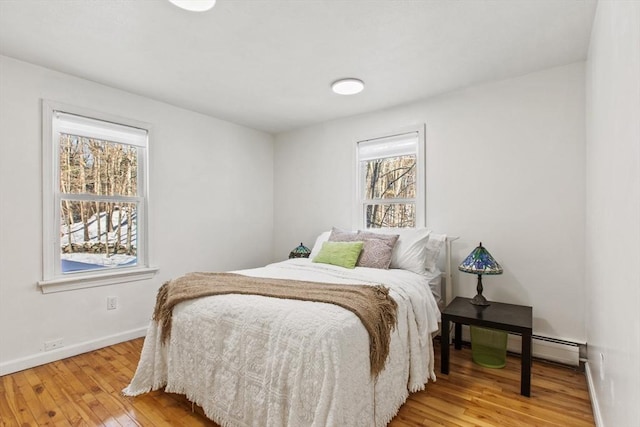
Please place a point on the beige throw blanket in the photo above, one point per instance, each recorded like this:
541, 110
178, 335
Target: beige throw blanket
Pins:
372, 304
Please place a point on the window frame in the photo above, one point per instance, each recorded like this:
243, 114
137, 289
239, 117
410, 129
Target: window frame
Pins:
359, 205
53, 280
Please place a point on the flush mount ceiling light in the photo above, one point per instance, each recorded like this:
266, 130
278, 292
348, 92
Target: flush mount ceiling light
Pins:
348, 86
194, 5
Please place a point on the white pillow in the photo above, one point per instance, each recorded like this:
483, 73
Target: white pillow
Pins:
410, 251
323, 237
434, 246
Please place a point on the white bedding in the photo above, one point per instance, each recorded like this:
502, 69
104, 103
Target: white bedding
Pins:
250, 360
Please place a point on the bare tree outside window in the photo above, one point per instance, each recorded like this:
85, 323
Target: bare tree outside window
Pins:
94, 230
390, 188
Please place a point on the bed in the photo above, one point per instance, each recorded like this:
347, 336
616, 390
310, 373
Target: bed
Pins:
252, 360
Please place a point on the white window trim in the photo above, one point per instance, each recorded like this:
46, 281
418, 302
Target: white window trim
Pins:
421, 183
52, 279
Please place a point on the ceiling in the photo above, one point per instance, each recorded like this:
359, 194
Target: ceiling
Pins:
268, 64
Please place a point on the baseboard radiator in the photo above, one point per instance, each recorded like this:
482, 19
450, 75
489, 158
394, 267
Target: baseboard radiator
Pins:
547, 348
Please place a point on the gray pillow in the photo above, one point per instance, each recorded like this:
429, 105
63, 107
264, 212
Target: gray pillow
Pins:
377, 249
338, 235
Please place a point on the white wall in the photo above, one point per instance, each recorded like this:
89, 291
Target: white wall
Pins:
505, 166
613, 213
211, 208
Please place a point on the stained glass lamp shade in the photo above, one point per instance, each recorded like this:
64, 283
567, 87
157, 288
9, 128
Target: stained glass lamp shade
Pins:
300, 252
480, 262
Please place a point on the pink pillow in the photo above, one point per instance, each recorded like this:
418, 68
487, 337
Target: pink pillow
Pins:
377, 249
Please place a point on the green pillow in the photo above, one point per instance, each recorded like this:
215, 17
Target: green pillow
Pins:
344, 254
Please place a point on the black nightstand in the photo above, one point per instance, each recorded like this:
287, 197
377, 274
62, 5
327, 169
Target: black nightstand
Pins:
507, 317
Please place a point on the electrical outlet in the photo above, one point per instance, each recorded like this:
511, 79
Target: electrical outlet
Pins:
112, 303
53, 344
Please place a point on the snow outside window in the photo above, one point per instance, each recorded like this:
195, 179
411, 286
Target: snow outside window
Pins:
391, 181
95, 198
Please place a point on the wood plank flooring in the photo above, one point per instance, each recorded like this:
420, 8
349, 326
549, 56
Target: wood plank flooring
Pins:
85, 391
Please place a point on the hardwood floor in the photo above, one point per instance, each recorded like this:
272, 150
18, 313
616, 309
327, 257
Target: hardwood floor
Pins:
85, 391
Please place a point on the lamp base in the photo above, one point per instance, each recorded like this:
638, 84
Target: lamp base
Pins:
479, 300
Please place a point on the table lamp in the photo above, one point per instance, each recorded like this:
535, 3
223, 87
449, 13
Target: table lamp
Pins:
300, 252
480, 262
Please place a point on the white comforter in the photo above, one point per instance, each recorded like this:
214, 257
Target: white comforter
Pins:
258, 361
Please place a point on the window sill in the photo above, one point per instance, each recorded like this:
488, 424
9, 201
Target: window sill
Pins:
82, 281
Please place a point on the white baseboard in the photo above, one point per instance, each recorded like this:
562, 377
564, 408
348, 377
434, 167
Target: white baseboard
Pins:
592, 394
562, 353
68, 351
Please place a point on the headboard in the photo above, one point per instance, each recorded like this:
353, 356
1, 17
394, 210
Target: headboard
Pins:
447, 289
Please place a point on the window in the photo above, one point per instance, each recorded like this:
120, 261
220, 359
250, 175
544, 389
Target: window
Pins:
391, 181
95, 197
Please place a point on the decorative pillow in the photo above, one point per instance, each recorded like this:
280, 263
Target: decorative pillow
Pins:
410, 252
376, 253
338, 235
343, 254
434, 246
377, 249
323, 237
